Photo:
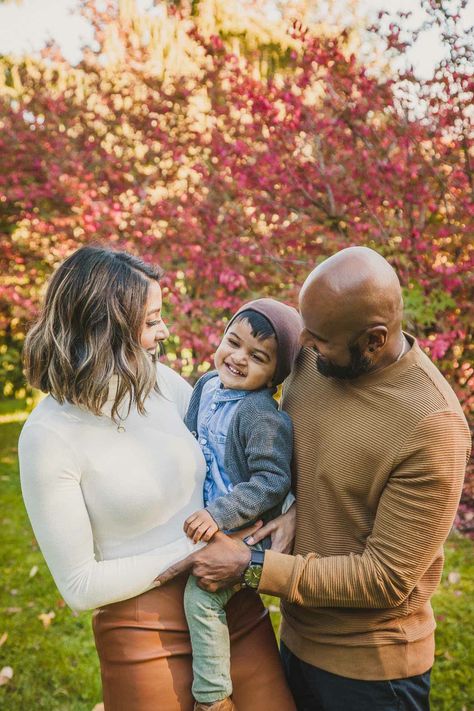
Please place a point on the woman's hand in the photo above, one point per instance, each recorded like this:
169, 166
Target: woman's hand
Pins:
282, 531
200, 526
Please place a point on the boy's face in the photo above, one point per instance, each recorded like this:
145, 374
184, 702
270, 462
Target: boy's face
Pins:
244, 362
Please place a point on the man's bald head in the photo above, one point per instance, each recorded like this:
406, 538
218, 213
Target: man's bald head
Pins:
354, 297
357, 287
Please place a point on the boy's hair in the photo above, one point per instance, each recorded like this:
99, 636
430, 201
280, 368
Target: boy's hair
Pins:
261, 327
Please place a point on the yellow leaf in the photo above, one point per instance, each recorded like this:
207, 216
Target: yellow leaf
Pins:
33, 571
3, 638
46, 618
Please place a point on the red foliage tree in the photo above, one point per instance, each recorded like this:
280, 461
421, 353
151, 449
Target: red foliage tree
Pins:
237, 183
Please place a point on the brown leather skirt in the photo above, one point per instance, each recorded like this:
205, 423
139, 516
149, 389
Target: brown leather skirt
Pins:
145, 653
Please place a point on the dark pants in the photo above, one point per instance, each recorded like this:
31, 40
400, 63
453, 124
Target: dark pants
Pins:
317, 690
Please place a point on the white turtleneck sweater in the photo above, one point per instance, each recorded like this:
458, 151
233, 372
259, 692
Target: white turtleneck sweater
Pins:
107, 507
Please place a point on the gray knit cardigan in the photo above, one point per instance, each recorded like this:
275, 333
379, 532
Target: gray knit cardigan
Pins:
257, 458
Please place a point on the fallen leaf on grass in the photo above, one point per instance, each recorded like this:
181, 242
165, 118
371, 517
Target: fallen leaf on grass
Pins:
33, 571
5, 675
3, 638
12, 610
46, 618
453, 578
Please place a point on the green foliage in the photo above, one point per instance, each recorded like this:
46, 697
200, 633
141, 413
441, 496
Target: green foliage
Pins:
11, 372
422, 310
56, 668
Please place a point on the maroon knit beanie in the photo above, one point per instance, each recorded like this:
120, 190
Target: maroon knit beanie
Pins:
287, 324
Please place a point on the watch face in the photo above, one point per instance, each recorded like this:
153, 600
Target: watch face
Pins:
252, 576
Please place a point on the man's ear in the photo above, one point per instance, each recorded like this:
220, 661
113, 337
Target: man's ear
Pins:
373, 340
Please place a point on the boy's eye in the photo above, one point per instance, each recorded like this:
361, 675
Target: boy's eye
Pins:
233, 342
258, 358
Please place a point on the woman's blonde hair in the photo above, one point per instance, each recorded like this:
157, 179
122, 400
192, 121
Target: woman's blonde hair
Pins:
89, 331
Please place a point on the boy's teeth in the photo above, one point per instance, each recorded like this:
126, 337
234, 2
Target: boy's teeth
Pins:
234, 370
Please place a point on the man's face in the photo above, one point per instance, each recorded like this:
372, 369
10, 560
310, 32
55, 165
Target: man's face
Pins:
338, 353
358, 365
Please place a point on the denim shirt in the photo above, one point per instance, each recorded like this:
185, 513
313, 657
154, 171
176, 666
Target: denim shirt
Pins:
216, 410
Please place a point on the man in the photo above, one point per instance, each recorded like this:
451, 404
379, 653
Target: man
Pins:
381, 445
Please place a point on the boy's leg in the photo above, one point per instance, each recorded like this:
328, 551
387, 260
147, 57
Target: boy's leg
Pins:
207, 624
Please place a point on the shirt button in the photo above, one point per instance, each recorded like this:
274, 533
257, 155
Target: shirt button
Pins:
203, 441
208, 469
213, 406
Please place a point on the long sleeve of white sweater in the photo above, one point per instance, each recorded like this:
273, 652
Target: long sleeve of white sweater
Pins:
106, 506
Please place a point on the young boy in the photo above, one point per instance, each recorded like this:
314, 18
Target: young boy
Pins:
247, 443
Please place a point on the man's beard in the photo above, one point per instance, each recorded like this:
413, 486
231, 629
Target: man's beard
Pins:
359, 364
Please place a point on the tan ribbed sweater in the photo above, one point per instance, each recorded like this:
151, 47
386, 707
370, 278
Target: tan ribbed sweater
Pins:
379, 464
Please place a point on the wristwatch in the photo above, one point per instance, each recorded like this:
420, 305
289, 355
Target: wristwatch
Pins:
253, 572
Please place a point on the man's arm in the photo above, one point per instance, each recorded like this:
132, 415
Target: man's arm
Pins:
414, 516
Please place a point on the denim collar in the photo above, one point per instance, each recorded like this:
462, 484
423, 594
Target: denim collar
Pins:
222, 394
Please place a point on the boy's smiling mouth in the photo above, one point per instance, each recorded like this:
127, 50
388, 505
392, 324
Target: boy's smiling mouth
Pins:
234, 370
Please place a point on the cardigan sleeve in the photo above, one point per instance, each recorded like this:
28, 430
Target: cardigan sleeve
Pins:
267, 435
413, 518
51, 487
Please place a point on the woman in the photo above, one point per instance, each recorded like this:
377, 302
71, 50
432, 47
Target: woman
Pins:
109, 474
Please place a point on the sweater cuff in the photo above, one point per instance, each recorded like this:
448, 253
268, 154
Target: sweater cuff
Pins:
277, 574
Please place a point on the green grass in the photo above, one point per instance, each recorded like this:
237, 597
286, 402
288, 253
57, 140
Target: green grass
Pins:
57, 668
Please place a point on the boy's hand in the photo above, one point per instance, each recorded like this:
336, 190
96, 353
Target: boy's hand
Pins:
200, 526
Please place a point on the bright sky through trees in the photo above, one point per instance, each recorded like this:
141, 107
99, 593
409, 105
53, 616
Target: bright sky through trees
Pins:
26, 25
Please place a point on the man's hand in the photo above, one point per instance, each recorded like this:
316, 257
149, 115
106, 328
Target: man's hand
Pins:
282, 531
200, 526
219, 565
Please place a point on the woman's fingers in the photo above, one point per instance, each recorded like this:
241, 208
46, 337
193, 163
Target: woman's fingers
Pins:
260, 534
244, 533
182, 566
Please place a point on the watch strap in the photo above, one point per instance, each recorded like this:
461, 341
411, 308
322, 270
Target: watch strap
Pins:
257, 557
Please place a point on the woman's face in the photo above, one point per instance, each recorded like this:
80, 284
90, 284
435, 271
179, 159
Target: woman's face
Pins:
154, 329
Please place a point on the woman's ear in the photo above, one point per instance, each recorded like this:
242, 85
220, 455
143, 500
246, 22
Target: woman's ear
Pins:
373, 340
